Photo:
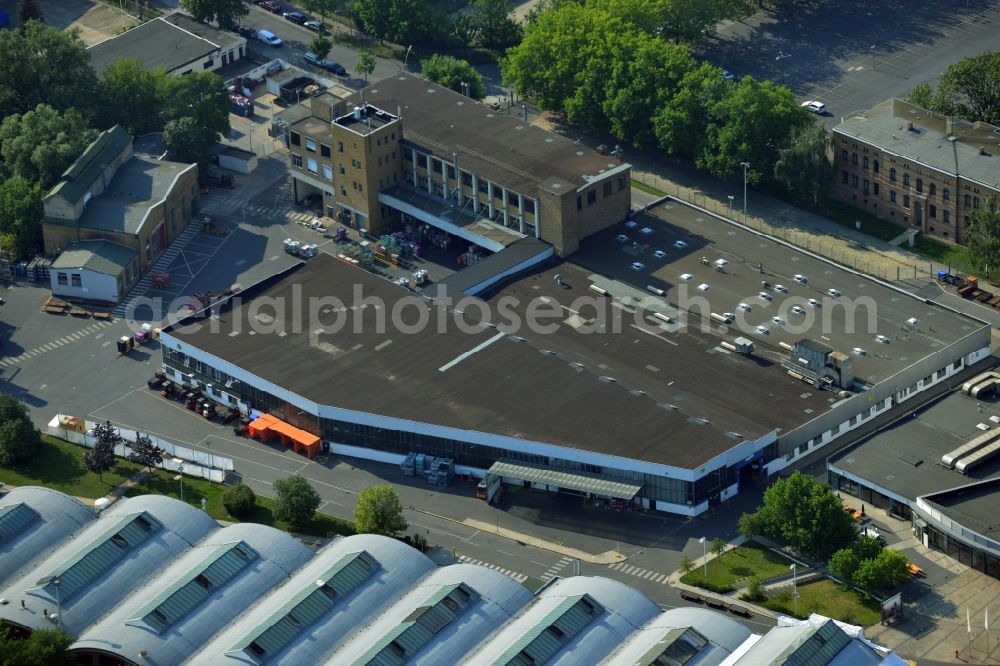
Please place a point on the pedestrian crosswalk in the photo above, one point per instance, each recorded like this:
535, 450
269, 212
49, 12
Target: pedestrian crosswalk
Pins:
162, 262
520, 578
55, 344
554, 570
639, 572
234, 205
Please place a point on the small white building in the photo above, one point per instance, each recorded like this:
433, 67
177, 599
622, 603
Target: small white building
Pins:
240, 161
96, 270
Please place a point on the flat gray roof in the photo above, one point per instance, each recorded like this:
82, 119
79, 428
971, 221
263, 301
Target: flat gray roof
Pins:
100, 256
500, 147
139, 183
156, 43
906, 458
888, 127
973, 506
666, 389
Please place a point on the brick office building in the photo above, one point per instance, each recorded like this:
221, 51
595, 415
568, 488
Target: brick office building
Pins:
408, 149
918, 169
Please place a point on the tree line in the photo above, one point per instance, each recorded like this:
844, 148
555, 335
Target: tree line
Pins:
53, 105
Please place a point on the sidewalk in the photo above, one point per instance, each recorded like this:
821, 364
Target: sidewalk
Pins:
679, 179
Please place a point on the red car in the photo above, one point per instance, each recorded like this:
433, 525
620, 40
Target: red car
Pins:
270, 5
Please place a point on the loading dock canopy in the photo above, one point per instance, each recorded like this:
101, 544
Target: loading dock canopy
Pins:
578, 481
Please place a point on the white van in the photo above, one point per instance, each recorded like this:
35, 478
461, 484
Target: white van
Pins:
269, 38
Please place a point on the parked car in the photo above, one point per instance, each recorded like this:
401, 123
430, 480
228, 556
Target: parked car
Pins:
328, 65
727, 75
815, 107
316, 26
270, 5
296, 17
269, 38
248, 32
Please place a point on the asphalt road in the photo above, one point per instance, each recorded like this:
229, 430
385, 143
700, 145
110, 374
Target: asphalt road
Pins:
297, 40
853, 54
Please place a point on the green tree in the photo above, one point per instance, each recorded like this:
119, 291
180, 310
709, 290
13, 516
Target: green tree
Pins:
43, 647
682, 122
465, 31
30, 10
750, 124
452, 73
402, 21
322, 7
373, 16
366, 63
239, 501
39, 145
843, 564
222, 12
101, 458
202, 96
494, 23
645, 73
755, 590
143, 452
749, 525
379, 511
718, 546
973, 83
869, 576
132, 97
296, 501
686, 564
21, 214
321, 46
188, 140
982, 235
938, 101
866, 548
892, 565
44, 65
804, 167
807, 515
689, 20
19, 438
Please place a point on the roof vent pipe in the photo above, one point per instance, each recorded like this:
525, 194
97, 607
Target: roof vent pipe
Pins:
357, 113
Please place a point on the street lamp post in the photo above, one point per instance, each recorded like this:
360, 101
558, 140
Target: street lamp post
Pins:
704, 556
180, 474
745, 165
873, 56
731, 197
795, 590
781, 56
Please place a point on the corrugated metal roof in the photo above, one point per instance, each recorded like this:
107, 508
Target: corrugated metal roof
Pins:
551, 633
402, 642
222, 565
678, 646
100, 556
307, 606
579, 481
15, 519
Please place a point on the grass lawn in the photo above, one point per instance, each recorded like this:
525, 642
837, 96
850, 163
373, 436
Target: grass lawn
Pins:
725, 573
826, 598
163, 483
647, 189
847, 216
59, 465
940, 252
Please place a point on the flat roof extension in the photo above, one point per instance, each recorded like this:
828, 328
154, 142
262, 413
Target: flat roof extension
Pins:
973, 506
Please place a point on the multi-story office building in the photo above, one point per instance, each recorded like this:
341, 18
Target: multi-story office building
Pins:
921, 170
406, 149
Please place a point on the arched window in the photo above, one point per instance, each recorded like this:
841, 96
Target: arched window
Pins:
875, 166
892, 174
920, 185
933, 189
906, 180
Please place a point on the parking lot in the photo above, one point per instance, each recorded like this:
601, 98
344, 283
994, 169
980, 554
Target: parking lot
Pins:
852, 55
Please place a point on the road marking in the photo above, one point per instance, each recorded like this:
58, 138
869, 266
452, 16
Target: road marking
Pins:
461, 357
655, 335
520, 578
506, 553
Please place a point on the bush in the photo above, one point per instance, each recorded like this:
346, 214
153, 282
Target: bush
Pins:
296, 501
239, 501
755, 590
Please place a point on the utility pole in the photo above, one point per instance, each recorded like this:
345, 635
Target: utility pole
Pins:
781, 56
745, 165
